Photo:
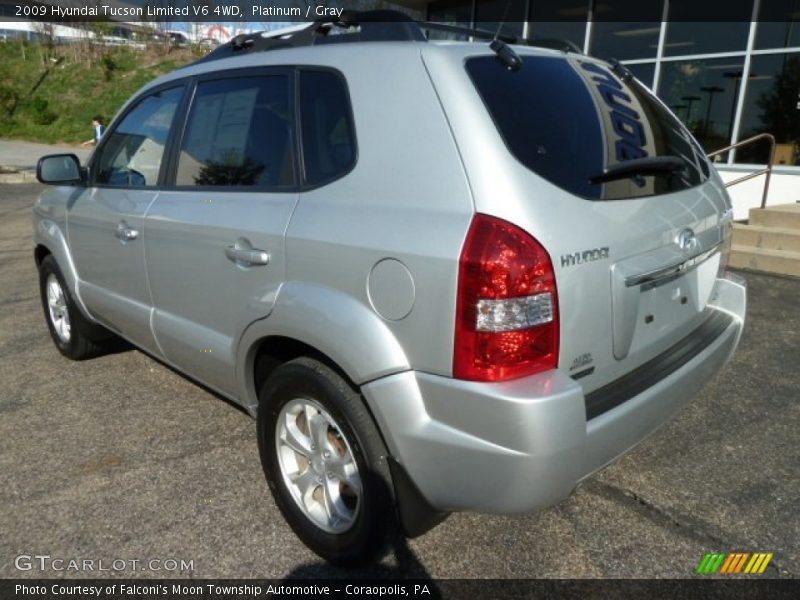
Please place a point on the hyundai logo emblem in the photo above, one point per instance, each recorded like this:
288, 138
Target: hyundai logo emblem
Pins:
686, 240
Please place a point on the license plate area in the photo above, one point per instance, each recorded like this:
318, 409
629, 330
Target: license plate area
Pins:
658, 311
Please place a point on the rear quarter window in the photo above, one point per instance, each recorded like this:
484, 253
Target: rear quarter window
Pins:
567, 119
329, 145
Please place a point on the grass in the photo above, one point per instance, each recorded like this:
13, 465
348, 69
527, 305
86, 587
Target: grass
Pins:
76, 84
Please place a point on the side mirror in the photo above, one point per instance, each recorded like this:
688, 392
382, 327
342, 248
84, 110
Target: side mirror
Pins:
59, 169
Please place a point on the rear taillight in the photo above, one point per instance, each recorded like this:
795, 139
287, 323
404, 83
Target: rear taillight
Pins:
507, 313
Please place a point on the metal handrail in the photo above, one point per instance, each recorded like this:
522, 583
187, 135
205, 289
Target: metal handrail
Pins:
766, 171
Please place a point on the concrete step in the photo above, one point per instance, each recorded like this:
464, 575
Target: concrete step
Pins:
785, 216
782, 262
771, 238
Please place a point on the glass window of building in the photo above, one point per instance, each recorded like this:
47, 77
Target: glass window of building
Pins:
625, 40
556, 19
705, 38
450, 12
626, 29
778, 35
779, 24
685, 36
507, 16
572, 31
643, 72
772, 105
703, 94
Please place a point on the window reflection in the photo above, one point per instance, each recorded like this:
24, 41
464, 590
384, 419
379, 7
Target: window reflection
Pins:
557, 19
502, 15
685, 36
626, 29
705, 38
643, 72
329, 146
450, 12
772, 105
559, 30
779, 24
132, 153
239, 134
703, 94
625, 40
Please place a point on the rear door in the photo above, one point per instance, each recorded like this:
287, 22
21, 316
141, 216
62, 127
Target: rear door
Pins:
635, 256
214, 237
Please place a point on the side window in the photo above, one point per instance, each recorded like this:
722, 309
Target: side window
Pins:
132, 153
329, 148
239, 134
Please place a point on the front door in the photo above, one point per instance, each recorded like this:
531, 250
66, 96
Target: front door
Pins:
215, 250
105, 221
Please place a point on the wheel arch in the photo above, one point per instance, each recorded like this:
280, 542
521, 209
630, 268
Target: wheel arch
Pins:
272, 351
317, 321
50, 241
346, 335
415, 514
39, 253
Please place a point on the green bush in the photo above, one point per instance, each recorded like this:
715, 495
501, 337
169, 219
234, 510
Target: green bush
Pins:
42, 100
109, 66
9, 98
40, 110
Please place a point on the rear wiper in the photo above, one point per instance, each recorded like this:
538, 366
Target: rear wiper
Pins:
652, 165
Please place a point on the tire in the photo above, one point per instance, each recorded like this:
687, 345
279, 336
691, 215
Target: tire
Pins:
304, 401
74, 336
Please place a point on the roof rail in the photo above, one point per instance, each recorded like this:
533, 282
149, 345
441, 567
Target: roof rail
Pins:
373, 26
552, 43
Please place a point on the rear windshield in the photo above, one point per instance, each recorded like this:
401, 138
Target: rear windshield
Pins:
569, 119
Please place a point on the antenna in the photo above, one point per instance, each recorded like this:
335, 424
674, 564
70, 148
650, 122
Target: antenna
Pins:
504, 53
502, 19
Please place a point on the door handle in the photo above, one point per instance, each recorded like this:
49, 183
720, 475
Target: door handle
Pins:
125, 233
247, 256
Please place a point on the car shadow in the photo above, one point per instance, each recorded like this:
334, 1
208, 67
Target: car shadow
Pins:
408, 567
117, 345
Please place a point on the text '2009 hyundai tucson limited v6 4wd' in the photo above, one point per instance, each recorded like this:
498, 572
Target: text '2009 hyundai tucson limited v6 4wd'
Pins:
442, 276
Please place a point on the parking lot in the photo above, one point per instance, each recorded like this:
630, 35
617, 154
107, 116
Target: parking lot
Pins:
120, 458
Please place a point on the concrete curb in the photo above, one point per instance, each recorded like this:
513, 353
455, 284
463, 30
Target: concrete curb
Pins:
15, 175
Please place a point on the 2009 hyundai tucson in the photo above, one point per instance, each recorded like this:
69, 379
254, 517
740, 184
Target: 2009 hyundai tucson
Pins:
442, 276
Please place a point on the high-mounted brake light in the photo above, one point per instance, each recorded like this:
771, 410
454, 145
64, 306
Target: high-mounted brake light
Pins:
507, 315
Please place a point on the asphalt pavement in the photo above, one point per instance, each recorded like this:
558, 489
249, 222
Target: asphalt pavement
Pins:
24, 155
120, 458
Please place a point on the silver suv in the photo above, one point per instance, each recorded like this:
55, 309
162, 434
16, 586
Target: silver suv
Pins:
443, 276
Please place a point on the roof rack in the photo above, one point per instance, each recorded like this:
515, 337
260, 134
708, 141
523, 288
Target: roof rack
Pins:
373, 26
552, 43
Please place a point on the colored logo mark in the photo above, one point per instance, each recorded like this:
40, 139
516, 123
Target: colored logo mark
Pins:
734, 563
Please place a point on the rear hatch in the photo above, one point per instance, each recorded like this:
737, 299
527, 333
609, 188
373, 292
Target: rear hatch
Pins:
590, 163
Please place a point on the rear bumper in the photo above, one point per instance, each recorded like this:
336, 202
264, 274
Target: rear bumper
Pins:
522, 445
